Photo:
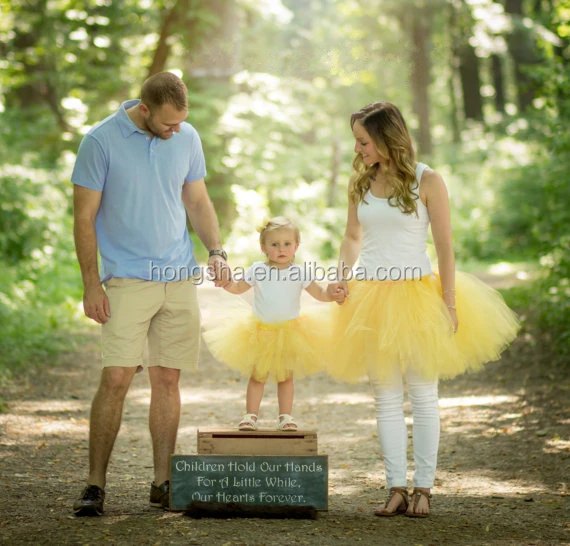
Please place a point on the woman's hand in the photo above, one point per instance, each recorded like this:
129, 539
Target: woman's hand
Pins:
338, 291
453, 316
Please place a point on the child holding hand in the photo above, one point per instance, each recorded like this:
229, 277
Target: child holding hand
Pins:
275, 340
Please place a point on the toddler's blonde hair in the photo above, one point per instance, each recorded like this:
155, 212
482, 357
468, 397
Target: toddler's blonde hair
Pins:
278, 222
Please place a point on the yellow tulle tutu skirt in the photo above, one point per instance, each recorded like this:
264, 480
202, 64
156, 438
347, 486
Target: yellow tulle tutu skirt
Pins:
384, 328
275, 351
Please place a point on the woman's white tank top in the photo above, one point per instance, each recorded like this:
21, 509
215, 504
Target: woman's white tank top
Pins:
394, 244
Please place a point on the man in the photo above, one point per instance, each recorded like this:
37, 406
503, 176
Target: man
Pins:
136, 176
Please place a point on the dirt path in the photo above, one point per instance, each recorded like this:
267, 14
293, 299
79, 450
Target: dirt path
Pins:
503, 478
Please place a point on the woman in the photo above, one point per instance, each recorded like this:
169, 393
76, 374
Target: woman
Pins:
403, 319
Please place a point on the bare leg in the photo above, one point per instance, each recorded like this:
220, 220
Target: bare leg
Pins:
164, 417
285, 392
253, 396
105, 420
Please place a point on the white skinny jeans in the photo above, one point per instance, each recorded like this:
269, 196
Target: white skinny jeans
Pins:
393, 434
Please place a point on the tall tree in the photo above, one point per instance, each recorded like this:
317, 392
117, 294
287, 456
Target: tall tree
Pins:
37, 87
552, 21
212, 46
452, 31
64, 60
522, 48
421, 62
173, 18
213, 42
469, 66
417, 23
497, 75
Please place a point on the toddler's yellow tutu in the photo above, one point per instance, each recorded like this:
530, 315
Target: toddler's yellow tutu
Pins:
387, 327
272, 350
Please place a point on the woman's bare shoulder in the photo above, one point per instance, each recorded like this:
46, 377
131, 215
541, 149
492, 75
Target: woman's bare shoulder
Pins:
432, 179
432, 184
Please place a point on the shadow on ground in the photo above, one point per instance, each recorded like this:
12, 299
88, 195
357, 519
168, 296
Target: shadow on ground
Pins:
503, 478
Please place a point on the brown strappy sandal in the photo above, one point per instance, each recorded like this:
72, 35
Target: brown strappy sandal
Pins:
400, 509
416, 496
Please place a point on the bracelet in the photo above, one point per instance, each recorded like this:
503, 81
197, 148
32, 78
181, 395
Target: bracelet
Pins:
449, 290
451, 307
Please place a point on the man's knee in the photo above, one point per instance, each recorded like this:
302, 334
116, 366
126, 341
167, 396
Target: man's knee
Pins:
165, 379
115, 380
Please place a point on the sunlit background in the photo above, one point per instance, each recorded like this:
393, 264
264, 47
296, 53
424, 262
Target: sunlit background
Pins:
272, 83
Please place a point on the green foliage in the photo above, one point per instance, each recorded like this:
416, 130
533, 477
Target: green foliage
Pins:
29, 136
554, 306
61, 64
476, 173
536, 196
554, 229
34, 329
272, 111
31, 212
40, 285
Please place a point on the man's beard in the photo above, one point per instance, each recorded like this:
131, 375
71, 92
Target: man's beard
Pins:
153, 131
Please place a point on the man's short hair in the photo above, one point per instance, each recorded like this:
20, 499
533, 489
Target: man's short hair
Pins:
164, 88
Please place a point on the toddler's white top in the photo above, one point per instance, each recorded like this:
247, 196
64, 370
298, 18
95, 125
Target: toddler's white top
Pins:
394, 244
277, 292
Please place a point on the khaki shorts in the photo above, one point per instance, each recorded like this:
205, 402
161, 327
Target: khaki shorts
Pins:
165, 313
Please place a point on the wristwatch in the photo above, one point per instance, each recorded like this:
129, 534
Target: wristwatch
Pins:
219, 252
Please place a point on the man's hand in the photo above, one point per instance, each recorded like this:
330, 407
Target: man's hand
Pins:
220, 271
96, 304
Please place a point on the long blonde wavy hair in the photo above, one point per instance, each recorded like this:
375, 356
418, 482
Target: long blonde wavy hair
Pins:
389, 132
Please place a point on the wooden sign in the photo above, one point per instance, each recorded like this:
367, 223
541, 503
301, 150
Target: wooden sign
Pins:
255, 480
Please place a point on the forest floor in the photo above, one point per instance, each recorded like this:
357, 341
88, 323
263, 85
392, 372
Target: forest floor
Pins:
503, 474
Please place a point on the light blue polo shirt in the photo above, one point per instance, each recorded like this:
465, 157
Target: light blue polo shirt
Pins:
141, 223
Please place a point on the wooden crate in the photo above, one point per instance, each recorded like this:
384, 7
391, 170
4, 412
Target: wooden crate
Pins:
213, 441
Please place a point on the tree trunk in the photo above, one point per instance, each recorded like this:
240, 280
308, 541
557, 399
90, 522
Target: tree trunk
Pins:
453, 113
218, 53
469, 66
451, 82
420, 77
498, 83
335, 170
177, 12
28, 94
38, 89
213, 57
522, 48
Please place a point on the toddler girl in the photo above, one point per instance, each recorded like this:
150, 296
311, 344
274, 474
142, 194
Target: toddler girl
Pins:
275, 340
